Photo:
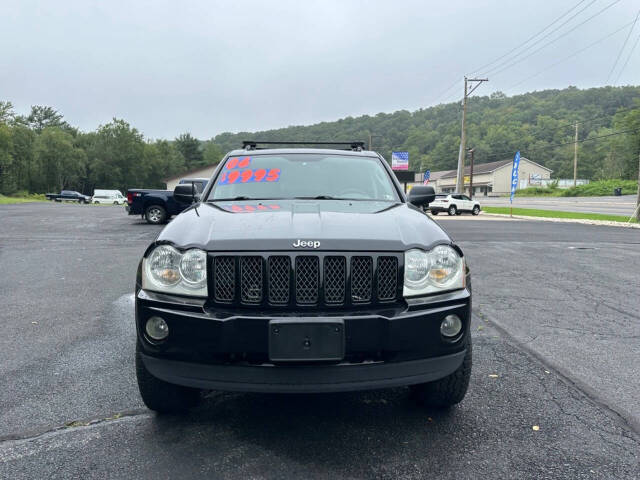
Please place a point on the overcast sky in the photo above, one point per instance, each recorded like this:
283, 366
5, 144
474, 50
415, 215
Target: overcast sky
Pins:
208, 67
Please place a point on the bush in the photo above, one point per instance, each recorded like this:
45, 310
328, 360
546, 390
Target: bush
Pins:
552, 190
602, 188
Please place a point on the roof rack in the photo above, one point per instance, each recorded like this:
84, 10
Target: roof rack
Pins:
253, 144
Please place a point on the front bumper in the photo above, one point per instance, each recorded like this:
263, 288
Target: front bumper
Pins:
213, 349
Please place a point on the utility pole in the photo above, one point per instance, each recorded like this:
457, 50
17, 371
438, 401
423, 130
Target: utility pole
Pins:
471, 150
638, 197
575, 158
371, 137
463, 135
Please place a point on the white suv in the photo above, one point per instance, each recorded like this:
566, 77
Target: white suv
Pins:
454, 204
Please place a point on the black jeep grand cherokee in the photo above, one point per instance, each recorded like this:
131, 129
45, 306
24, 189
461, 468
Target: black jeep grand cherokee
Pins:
303, 270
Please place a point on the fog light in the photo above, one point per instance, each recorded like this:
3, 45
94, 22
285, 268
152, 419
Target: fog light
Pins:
157, 328
450, 326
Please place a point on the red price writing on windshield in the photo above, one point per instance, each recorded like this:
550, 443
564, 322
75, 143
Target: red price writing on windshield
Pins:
238, 162
249, 176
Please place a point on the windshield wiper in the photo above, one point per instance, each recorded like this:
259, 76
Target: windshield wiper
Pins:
239, 197
322, 197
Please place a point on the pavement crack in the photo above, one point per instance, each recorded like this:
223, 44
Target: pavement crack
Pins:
626, 420
72, 425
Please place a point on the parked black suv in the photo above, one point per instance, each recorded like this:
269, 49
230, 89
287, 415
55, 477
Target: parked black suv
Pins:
302, 270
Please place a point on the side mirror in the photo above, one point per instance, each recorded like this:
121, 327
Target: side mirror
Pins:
185, 193
421, 195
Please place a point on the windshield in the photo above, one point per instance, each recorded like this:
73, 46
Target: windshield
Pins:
315, 175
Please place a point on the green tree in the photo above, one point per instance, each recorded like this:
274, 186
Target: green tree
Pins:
6, 112
42, 117
60, 164
212, 153
23, 168
116, 155
6, 182
190, 149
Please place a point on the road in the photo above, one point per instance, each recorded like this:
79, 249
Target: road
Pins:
623, 205
555, 333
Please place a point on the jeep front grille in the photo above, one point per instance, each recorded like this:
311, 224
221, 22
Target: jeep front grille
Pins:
295, 279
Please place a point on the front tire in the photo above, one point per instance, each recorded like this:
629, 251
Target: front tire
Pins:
447, 391
452, 210
476, 210
155, 214
160, 396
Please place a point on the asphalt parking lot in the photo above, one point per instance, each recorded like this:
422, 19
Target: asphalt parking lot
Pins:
556, 329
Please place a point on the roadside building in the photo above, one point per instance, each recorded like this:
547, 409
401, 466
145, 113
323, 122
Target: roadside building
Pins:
493, 178
200, 172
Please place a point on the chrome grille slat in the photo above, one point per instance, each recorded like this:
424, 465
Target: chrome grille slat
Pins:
361, 279
387, 278
307, 280
225, 278
335, 278
279, 279
251, 279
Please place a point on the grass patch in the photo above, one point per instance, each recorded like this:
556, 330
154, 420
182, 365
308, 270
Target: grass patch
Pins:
532, 212
35, 197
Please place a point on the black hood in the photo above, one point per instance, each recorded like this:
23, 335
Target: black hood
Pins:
277, 224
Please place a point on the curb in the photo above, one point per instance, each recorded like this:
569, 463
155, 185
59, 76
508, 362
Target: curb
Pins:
606, 223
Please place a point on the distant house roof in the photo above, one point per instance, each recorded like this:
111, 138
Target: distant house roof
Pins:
480, 168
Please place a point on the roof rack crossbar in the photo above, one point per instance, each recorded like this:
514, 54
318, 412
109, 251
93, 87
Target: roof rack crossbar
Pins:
253, 144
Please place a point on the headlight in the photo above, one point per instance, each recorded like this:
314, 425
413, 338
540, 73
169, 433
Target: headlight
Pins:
437, 270
193, 268
169, 271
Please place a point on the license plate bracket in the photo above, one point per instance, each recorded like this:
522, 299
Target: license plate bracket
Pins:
312, 340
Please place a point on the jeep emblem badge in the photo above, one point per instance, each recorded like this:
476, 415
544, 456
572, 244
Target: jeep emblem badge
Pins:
306, 244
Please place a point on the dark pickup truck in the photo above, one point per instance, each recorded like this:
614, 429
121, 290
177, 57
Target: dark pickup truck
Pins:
68, 196
157, 206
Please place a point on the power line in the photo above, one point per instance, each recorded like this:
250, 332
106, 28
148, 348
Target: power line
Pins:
530, 38
445, 91
555, 39
624, 109
540, 72
544, 37
564, 144
627, 61
623, 46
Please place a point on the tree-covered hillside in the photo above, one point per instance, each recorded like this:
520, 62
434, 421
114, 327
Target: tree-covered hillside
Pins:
497, 126
41, 152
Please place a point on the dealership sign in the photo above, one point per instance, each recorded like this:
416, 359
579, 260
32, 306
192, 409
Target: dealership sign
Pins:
400, 160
